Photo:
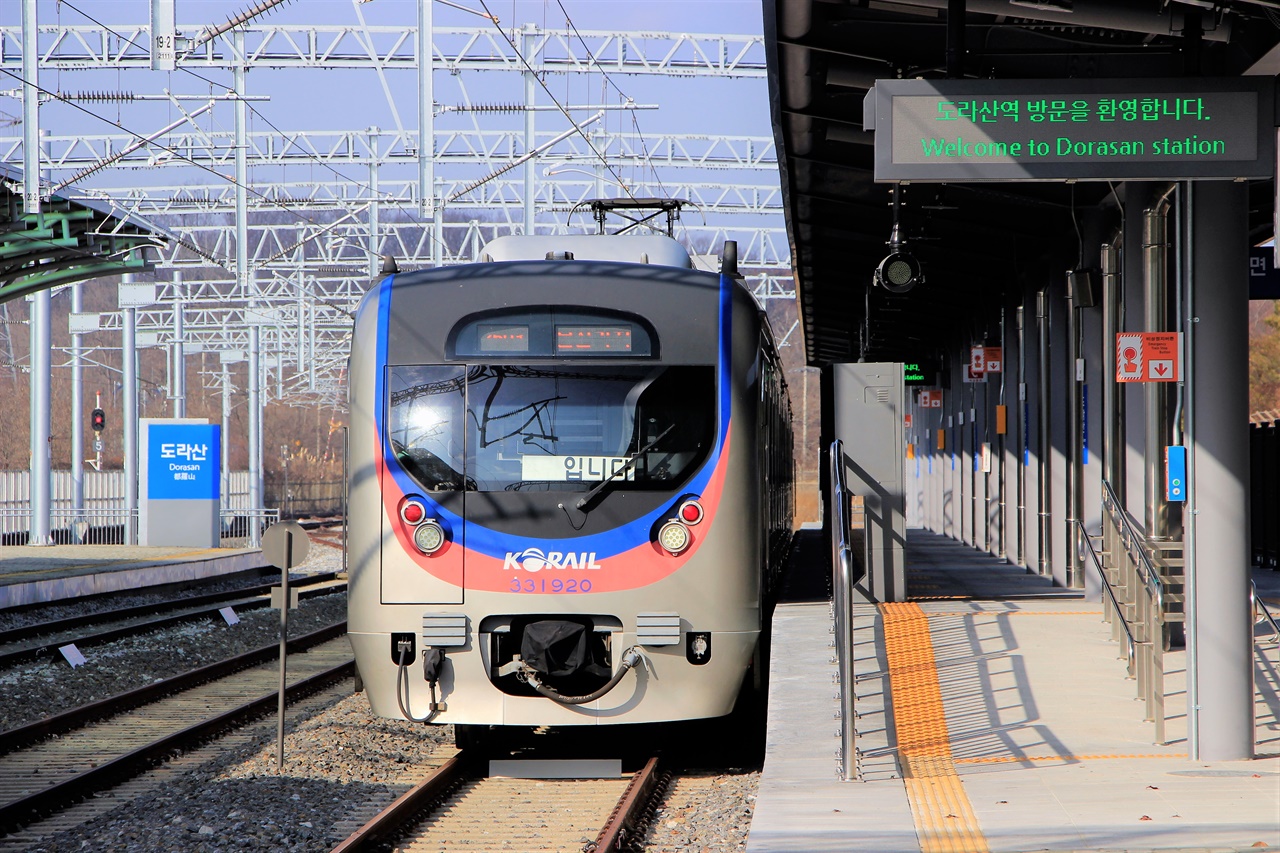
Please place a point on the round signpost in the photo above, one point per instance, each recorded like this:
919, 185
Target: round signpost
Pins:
284, 545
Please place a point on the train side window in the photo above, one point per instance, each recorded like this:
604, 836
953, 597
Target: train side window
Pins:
425, 404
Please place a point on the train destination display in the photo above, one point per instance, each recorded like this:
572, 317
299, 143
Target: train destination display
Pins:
987, 130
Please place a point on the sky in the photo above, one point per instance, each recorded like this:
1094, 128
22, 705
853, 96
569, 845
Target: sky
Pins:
339, 100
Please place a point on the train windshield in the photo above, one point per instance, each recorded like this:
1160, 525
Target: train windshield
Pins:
495, 428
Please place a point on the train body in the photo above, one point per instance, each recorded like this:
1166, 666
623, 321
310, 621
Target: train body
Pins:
561, 469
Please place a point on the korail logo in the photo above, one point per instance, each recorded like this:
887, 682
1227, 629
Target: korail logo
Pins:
535, 560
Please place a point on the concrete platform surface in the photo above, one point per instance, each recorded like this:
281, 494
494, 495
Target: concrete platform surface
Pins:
32, 574
1036, 741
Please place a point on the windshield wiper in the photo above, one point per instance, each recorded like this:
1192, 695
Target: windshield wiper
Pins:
585, 500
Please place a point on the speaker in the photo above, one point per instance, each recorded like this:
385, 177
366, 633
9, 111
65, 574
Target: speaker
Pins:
1082, 285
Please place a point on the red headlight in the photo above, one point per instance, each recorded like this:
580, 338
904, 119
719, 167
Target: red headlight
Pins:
412, 512
691, 512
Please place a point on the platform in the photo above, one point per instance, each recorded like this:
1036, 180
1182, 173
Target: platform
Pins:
1015, 728
30, 574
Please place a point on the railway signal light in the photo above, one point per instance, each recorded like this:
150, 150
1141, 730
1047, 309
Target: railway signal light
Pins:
99, 420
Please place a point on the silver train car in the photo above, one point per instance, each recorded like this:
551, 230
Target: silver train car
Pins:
570, 487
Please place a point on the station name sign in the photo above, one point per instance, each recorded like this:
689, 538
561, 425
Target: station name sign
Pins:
1053, 130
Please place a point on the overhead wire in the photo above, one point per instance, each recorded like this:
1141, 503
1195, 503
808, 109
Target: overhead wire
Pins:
529, 67
644, 143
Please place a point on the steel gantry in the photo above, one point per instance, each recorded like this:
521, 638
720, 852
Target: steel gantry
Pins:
255, 146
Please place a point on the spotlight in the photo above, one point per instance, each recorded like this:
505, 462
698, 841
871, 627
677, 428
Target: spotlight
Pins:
899, 272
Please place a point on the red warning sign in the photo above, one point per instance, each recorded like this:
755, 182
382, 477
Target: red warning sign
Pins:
930, 399
1148, 356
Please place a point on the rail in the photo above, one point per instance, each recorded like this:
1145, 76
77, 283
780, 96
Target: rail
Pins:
1116, 616
1141, 604
1256, 602
842, 613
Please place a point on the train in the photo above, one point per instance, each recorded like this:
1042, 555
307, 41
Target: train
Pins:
570, 487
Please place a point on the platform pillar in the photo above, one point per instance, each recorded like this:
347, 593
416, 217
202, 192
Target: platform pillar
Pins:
1219, 636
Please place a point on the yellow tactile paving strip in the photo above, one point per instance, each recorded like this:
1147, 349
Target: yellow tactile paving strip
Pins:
1008, 759
944, 818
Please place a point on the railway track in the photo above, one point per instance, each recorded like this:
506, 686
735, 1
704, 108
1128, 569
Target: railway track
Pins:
32, 642
458, 807
42, 774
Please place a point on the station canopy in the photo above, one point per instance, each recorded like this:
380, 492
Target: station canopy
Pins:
68, 241
978, 244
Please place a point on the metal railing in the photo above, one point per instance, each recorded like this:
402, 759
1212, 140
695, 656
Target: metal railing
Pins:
842, 614
86, 526
244, 526
1141, 603
1116, 615
1255, 604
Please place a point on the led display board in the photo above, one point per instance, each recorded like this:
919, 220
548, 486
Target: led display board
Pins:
1050, 130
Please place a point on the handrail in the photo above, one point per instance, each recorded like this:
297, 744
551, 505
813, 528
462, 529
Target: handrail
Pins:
1255, 601
1130, 644
842, 611
1129, 535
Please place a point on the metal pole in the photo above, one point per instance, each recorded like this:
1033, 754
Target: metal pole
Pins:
77, 417
284, 640
375, 260
1113, 398
1002, 439
1189, 543
437, 229
30, 110
41, 380
129, 420
241, 122
426, 112
41, 329
1045, 502
1163, 518
1023, 427
530, 85
226, 435
179, 351
1219, 485
255, 434
1075, 472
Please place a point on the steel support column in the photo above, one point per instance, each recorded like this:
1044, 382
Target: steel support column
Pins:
41, 373
77, 415
255, 431
129, 419
1220, 635
1113, 470
178, 387
1044, 502
1163, 518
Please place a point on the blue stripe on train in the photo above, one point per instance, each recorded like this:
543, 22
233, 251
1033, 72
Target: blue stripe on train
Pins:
607, 543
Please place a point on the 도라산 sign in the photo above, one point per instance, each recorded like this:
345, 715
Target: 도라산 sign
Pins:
1041, 130
181, 483
183, 461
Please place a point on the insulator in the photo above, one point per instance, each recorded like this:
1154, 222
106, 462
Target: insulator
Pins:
98, 96
492, 108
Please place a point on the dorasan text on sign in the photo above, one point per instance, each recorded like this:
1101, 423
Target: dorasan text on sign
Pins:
1018, 130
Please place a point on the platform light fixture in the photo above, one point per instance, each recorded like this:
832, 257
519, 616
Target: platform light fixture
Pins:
899, 272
